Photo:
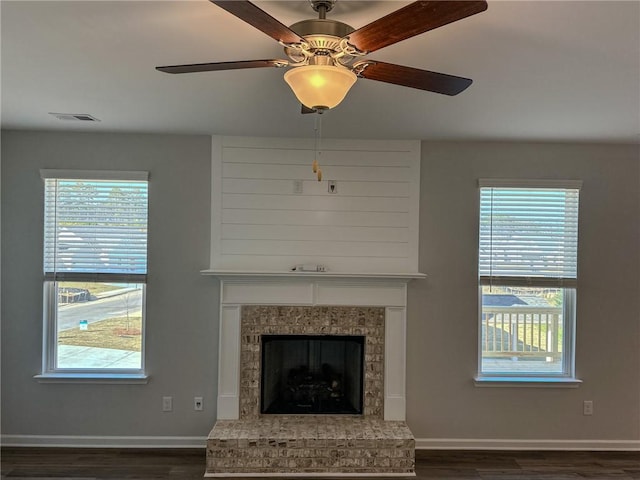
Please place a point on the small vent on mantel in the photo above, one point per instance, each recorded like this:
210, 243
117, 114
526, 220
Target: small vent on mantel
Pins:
81, 117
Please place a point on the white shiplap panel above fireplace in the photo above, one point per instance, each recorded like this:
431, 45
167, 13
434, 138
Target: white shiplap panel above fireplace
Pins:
260, 223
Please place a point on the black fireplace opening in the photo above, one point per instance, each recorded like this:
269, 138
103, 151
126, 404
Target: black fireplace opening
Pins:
312, 374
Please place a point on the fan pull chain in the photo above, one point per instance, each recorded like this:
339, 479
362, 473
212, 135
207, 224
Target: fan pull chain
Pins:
315, 166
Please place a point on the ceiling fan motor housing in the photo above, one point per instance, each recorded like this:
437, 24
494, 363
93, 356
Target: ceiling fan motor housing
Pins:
322, 37
319, 26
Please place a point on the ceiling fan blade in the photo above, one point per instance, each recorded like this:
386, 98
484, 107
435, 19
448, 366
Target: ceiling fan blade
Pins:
412, 77
212, 67
259, 19
412, 20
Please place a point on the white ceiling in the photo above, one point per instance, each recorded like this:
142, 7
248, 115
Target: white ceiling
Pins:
542, 71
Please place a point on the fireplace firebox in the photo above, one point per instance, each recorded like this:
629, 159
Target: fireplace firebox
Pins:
312, 374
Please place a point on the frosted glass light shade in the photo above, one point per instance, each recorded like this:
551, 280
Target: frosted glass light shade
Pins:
320, 86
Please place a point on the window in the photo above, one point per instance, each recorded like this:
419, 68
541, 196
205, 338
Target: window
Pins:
95, 271
528, 278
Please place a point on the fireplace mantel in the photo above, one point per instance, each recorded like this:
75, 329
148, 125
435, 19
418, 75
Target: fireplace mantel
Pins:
265, 275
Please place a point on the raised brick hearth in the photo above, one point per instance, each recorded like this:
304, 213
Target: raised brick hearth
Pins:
293, 445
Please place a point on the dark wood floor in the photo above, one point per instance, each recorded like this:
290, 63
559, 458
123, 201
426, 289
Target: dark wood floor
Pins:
91, 464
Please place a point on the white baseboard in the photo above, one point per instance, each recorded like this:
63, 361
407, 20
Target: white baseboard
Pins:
81, 441
506, 444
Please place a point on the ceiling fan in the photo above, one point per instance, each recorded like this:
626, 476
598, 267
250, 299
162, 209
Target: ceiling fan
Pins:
326, 56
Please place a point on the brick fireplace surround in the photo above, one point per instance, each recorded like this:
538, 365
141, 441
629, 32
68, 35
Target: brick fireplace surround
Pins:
246, 443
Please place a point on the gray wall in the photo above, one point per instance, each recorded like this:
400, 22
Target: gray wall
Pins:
443, 403
442, 330
181, 340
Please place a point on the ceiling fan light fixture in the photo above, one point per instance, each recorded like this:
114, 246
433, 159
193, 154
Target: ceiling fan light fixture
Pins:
320, 86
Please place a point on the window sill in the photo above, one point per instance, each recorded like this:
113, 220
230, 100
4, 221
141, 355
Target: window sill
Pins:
535, 382
104, 378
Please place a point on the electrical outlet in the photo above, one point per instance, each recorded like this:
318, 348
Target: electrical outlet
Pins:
297, 187
167, 404
587, 407
197, 404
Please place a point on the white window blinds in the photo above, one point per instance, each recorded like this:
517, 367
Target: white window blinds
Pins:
95, 226
528, 234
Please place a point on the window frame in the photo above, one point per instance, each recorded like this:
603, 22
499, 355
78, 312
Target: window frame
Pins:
51, 373
565, 378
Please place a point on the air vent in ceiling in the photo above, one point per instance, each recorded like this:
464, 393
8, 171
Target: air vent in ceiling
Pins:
81, 117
